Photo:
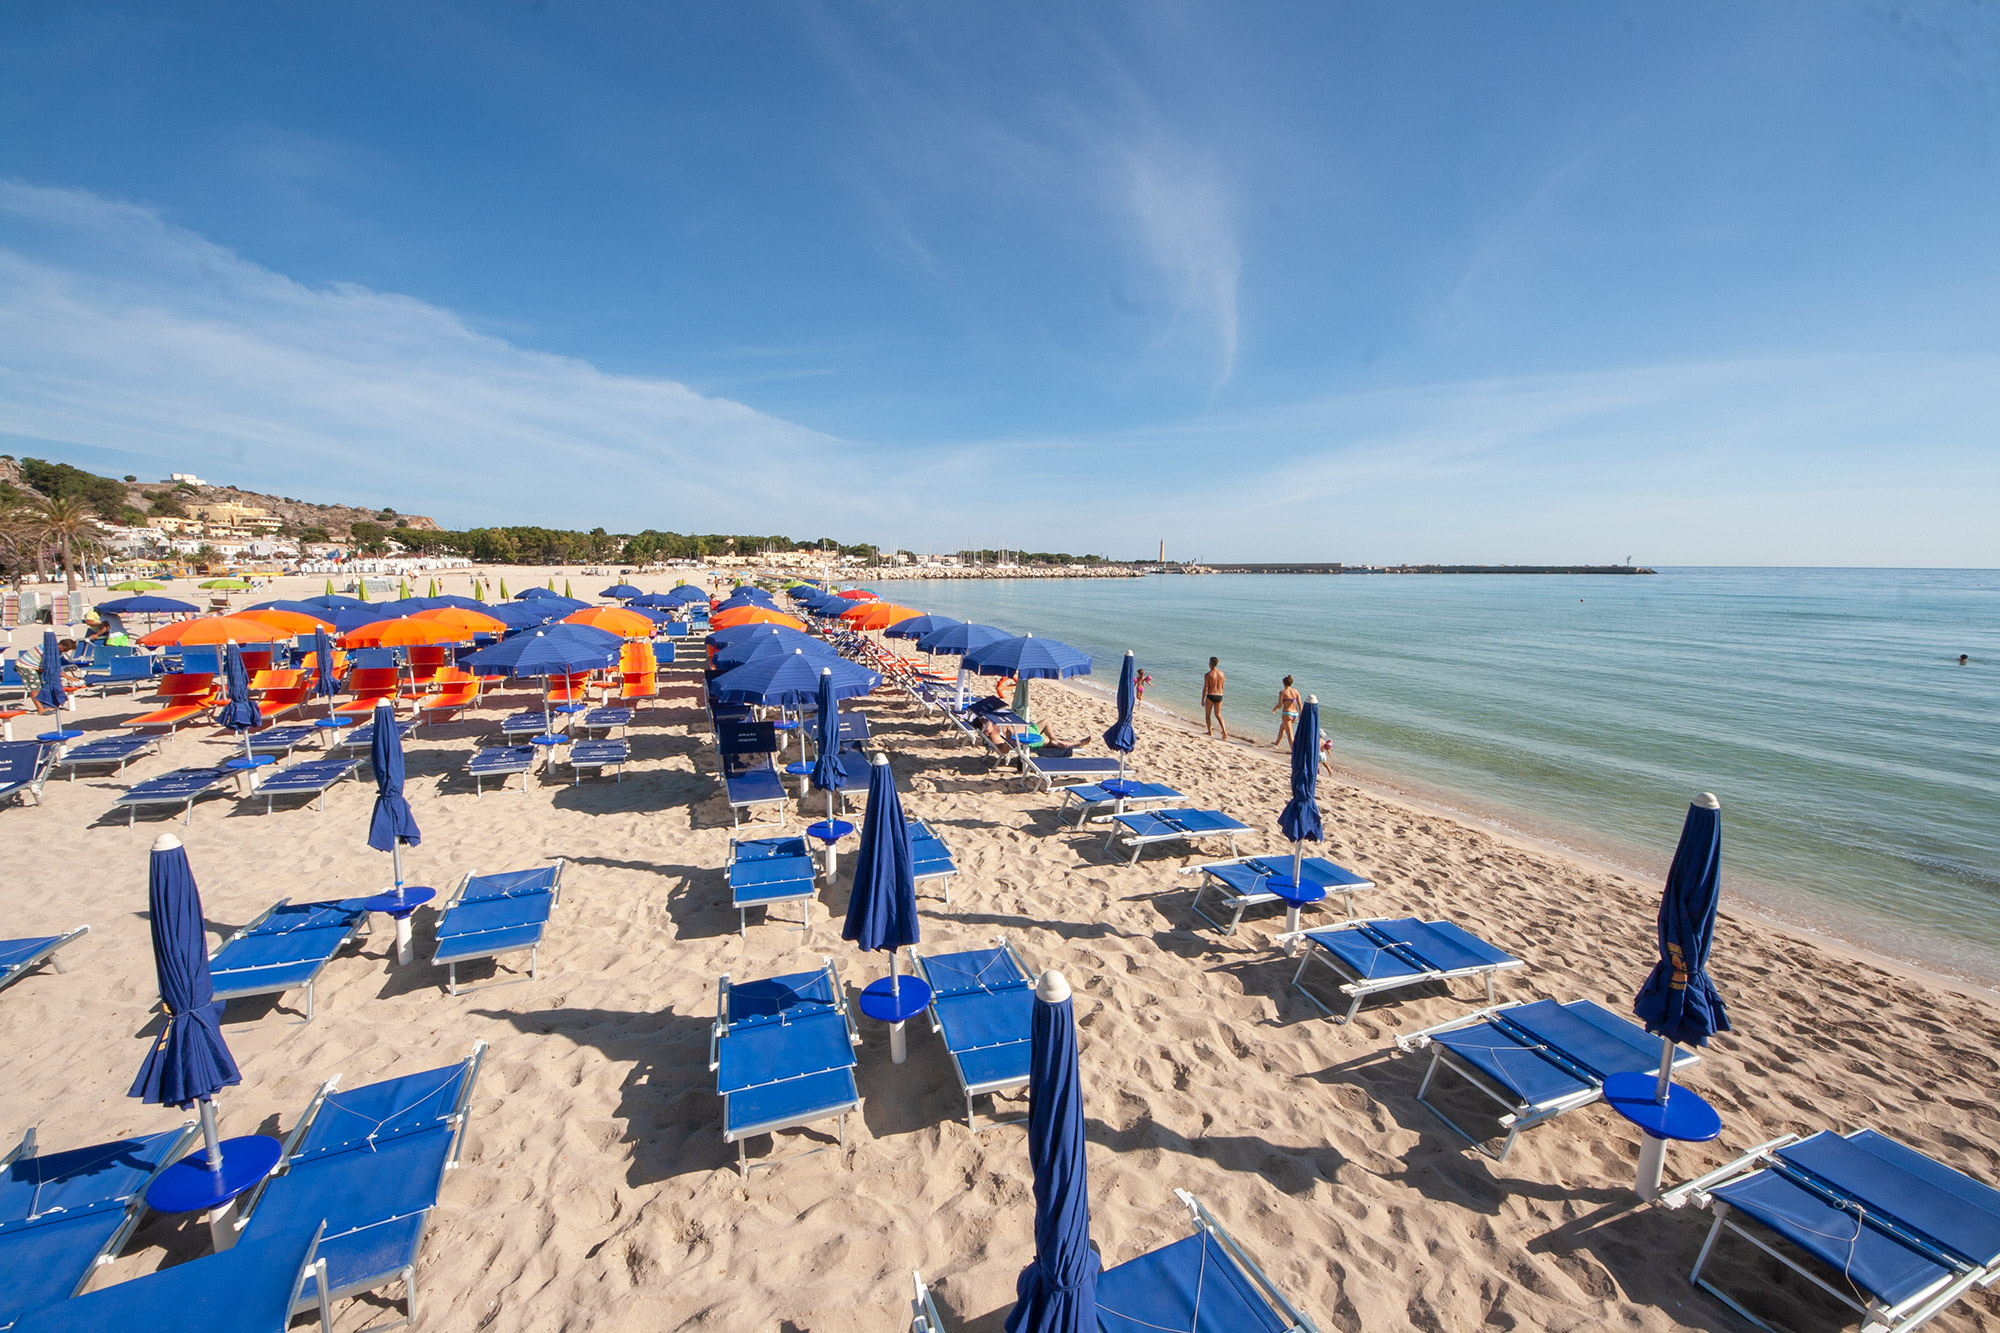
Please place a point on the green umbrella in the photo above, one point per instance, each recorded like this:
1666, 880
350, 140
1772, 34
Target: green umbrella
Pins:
552, 583
503, 590
402, 590
329, 587
477, 595
137, 585
361, 589
230, 585
434, 589
566, 592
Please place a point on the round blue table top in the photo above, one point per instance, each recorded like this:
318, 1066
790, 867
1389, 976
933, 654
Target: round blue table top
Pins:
911, 996
829, 830
188, 1186
243, 761
549, 738
1685, 1116
1296, 895
785, 724
1119, 787
572, 708
55, 737
395, 903
331, 722
800, 769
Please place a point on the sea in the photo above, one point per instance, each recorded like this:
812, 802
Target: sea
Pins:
1856, 758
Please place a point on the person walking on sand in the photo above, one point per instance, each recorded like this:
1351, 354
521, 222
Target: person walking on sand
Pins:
1288, 707
1211, 698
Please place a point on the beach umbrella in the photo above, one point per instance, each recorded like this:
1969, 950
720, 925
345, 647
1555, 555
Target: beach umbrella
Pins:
148, 606
916, 627
240, 714
138, 585
1026, 658
477, 596
352, 618
313, 608
324, 685
333, 601
856, 595
391, 825
503, 589
957, 640
652, 601
882, 907
1299, 820
443, 600
404, 632
1057, 1293
749, 650
878, 615
329, 588
226, 585
548, 650
684, 594
518, 615
1120, 737
828, 773
291, 622
789, 680
361, 589
188, 1062
213, 631
457, 617
402, 589
615, 619
624, 592
434, 589
52, 694
753, 615
566, 592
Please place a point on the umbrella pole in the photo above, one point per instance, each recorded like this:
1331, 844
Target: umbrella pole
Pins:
1292, 909
210, 1134
1666, 1072
899, 1049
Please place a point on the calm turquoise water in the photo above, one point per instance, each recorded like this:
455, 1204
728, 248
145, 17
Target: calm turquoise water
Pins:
1857, 762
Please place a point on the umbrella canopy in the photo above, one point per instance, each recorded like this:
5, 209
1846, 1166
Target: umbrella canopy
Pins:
828, 773
157, 606
439, 601
1678, 1001
391, 825
52, 694
292, 622
1057, 1293
658, 601
916, 627
333, 601
857, 595
227, 585
457, 617
538, 594
519, 615
403, 633
788, 680
749, 650
303, 608
188, 1061
878, 615
1120, 736
754, 615
957, 639
1299, 820
241, 712
138, 585
402, 606
1028, 658
615, 619
685, 594
210, 630
624, 592
882, 910
739, 634
552, 650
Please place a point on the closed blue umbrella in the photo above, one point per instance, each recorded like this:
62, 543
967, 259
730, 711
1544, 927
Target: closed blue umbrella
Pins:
324, 685
1299, 820
52, 694
241, 713
1679, 1001
1120, 737
828, 773
882, 909
1057, 1293
392, 824
189, 1061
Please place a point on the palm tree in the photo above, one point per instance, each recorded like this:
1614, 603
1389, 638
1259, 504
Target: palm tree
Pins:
67, 523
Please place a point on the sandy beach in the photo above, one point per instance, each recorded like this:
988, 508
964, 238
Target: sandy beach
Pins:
596, 1190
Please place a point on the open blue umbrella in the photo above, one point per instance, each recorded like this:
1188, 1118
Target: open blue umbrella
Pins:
1678, 1001
828, 773
623, 592
519, 615
766, 645
882, 909
333, 601
783, 634
1299, 820
189, 1061
324, 685
550, 650
1057, 1293
52, 694
1120, 737
146, 604
789, 680
1026, 658
957, 640
685, 594
241, 713
916, 627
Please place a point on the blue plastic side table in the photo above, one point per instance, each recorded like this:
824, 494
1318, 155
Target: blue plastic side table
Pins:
398, 904
245, 767
1684, 1117
828, 832
1295, 897
331, 727
188, 1186
909, 998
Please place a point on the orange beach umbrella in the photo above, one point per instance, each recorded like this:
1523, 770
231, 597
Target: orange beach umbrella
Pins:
459, 617
754, 615
213, 630
404, 632
614, 619
291, 622
877, 615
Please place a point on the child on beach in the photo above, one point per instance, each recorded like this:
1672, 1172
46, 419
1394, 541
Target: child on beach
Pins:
1140, 680
1288, 706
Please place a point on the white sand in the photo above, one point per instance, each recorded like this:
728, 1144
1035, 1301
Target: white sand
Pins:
596, 1189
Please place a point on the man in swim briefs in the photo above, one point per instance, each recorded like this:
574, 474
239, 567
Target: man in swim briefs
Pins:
1211, 699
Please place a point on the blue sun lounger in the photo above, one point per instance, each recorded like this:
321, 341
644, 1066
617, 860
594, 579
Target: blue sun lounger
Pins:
20, 957
751, 780
782, 1051
1386, 954
500, 761
605, 719
127, 673
596, 756
24, 768
1537, 1060
251, 1288
369, 1163
62, 1214
281, 740
517, 727
1047, 772
764, 872
361, 739
113, 751
1203, 1283
932, 858
1140, 829
1090, 797
1241, 884
308, 777
287, 947
489, 915
982, 1003
182, 787
1903, 1234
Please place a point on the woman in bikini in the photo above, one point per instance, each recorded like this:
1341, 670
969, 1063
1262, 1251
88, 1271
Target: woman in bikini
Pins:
1288, 706
1211, 698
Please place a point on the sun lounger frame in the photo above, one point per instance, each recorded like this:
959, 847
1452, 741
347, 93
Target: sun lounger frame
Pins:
134, 747
597, 761
1139, 842
29, 789
45, 954
534, 946
982, 1087
1119, 804
925, 871
1876, 1317
1518, 1113
1046, 773
742, 1133
244, 991
186, 801
1239, 903
523, 764
317, 794
1358, 988
805, 897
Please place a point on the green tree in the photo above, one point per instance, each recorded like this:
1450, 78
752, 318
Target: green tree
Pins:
369, 538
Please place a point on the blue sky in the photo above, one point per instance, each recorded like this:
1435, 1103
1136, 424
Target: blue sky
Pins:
1699, 284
